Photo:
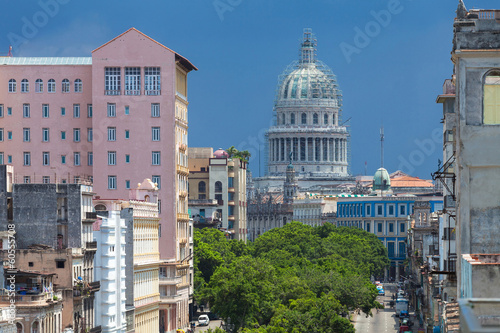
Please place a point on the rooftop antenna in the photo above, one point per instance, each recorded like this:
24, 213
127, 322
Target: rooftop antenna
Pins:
382, 146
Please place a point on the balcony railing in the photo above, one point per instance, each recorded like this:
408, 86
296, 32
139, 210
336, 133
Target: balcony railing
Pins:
132, 92
91, 245
152, 92
112, 92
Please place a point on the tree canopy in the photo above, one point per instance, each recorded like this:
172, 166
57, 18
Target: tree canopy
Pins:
296, 278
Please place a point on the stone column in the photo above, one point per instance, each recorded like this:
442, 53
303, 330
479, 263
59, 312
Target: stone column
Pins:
307, 148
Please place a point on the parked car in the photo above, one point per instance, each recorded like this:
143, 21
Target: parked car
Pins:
203, 320
381, 292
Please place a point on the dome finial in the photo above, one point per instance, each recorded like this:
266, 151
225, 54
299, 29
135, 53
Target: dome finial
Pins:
308, 47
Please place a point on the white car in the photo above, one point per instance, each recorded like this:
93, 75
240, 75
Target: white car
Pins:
203, 320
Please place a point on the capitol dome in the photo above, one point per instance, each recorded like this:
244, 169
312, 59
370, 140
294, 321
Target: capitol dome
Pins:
308, 78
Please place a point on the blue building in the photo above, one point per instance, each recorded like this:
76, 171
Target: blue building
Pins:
385, 215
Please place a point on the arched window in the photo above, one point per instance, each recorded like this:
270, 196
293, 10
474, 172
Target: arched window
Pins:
304, 118
65, 86
292, 118
39, 85
315, 119
325, 119
202, 187
218, 187
78, 86
12, 86
491, 98
51, 86
100, 207
35, 327
25, 86
19, 328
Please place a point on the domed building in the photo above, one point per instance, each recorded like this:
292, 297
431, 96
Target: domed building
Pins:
308, 128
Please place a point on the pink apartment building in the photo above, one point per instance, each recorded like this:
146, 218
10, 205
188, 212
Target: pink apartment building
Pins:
114, 118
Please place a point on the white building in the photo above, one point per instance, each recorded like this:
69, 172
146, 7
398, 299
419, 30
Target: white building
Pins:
110, 270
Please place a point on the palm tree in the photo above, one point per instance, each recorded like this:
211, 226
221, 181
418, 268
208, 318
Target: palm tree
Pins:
245, 155
232, 151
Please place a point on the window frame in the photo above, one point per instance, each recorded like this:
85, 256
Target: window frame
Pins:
12, 86
51, 86
65, 86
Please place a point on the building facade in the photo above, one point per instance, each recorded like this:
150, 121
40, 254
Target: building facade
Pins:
215, 176
114, 118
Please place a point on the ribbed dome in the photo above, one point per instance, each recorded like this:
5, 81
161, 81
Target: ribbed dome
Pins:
308, 78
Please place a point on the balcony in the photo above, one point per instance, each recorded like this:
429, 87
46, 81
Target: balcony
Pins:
183, 147
182, 170
85, 289
181, 217
169, 281
152, 92
91, 246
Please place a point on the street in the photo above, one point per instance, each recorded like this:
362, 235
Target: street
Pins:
383, 321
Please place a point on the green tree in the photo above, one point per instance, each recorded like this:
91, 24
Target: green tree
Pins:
231, 151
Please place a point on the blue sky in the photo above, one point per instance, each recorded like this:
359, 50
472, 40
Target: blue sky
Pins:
391, 75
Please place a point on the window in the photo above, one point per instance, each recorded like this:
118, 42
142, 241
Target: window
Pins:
76, 110
202, 187
127, 158
380, 209
45, 135
157, 181
491, 98
391, 227
379, 227
111, 182
449, 136
12, 86
26, 135
292, 118
283, 119
63, 111
402, 227
325, 119
76, 159
45, 179
45, 110
90, 134
89, 110
155, 110
27, 158
402, 250
402, 210
9, 158
51, 86
111, 133
391, 210
230, 181
368, 226
76, 180
127, 110
39, 85
1, 110
218, 187
315, 119
155, 133
46, 158
127, 134
303, 119
1, 136
76, 134
59, 264
1, 158
111, 157
390, 249
63, 159
111, 110
127, 184
90, 158
26, 110
78, 86
9, 111
25, 86
152, 84
155, 158
63, 135
9, 135
112, 81
26, 179
333, 119
132, 80
65, 86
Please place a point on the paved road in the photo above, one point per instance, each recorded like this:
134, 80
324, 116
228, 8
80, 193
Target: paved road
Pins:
213, 324
382, 322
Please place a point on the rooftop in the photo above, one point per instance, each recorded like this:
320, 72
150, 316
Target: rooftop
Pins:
45, 61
